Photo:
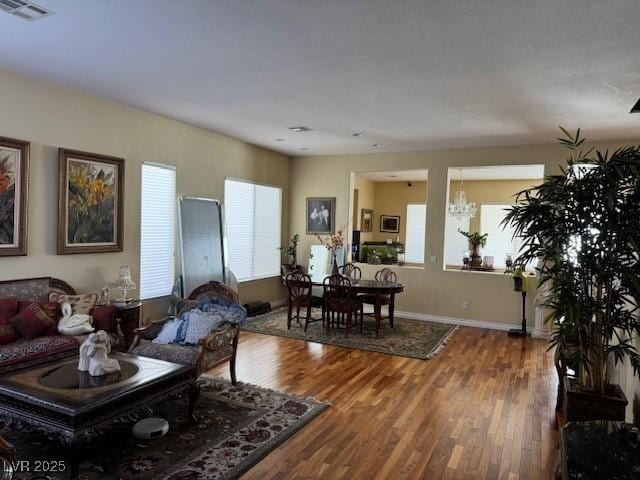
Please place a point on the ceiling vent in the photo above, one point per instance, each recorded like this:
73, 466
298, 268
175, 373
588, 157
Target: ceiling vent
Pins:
636, 108
26, 10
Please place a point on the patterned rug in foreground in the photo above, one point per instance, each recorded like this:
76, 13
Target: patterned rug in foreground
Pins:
409, 338
238, 426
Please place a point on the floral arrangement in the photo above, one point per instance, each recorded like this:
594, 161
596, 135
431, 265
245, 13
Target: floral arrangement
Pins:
332, 242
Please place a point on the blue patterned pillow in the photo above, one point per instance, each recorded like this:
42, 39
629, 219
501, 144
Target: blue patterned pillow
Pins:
230, 312
200, 325
182, 328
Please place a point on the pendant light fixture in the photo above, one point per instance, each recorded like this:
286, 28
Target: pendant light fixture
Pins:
460, 208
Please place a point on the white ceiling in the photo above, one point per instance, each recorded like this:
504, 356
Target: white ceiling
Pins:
396, 176
501, 172
410, 74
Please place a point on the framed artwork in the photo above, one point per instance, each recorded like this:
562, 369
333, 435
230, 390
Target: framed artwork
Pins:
389, 223
321, 215
90, 202
366, 220
14, 196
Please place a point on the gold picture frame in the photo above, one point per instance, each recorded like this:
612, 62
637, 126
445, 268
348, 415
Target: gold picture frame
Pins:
90, 202
14, 196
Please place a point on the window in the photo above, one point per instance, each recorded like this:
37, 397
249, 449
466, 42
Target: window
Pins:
253, 220
157, 230
500, 241
415, 236
456, 243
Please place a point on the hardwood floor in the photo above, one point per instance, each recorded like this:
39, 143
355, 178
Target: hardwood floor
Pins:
483, 408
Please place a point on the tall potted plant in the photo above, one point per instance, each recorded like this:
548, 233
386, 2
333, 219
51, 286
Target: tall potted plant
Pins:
583, 228
476, 242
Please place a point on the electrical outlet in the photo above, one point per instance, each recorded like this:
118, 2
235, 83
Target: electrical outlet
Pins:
465, 305
433, 259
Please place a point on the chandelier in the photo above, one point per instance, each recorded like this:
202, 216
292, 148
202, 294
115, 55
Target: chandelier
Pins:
460, 208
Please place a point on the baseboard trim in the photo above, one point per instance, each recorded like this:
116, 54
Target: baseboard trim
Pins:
281, 302
459, 321
543, 334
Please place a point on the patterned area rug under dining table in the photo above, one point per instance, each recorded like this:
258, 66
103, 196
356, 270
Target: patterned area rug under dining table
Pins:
409, 338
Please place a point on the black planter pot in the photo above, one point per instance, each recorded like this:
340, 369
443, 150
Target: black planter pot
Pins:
581, 406
517, 284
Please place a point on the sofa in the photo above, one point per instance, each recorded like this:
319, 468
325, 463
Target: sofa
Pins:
25, 352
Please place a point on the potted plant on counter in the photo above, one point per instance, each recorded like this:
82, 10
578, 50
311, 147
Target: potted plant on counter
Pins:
584, 227
476, 242
291, 251
519, 280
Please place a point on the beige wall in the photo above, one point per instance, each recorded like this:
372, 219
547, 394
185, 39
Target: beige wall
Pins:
430, 290
489, 191
50, 117
392, 199
366, 200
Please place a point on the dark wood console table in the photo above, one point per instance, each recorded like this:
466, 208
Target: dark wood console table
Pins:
128, 317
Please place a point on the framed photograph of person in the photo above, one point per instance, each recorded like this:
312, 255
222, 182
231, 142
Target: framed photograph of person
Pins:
366, 220
389, 223
14, 196
321, 213
90, 202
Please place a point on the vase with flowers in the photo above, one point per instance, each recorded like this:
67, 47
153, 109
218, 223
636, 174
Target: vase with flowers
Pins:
333, 243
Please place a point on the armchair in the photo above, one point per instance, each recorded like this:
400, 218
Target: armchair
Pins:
219, 346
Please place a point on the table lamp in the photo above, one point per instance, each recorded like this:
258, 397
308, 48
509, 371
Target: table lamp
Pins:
124, 284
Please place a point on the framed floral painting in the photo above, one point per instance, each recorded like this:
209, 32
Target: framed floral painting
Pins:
14, 196
90, 202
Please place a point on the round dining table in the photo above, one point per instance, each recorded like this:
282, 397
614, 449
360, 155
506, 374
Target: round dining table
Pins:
372, 287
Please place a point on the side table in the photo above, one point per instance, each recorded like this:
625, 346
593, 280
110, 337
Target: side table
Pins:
128, 318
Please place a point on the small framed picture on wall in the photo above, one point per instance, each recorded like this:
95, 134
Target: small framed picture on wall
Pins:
321, 213
366, 220
389, 223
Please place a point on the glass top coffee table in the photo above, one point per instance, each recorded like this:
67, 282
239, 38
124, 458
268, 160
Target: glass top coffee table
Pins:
73, 407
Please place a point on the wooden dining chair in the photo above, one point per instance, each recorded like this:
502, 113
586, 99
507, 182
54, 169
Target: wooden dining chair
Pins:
378, 301
341, 303
350, 270
299, 297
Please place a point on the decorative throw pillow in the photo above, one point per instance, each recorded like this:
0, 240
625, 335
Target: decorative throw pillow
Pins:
8, 309
79, 303
200, 325
182, 328
232, 313
52, 309
169, 332
32, 322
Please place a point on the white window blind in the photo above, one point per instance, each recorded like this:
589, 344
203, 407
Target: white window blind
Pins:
415, 232
499, 241
253, 215
157, 230
455, 244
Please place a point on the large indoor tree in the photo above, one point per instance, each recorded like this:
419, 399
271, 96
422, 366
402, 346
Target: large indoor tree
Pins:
582, 227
